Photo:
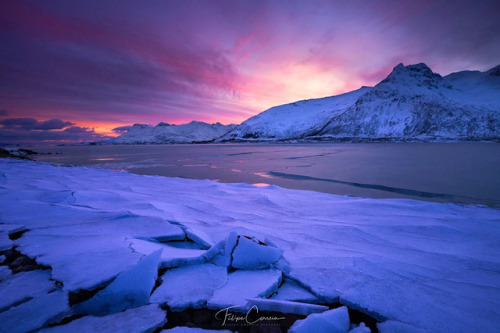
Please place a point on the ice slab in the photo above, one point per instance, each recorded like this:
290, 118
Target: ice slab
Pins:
23, 286
333, 321
291, 291
145, 319
85, 262
5, 242
221, 253
35, 313
263, 304
189, 286
11, 228
5, 273
242, 285
249, 254
2, 259
171, 256
130, 289
393, 326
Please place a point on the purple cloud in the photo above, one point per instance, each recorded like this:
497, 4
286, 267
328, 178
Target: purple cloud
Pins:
121, 129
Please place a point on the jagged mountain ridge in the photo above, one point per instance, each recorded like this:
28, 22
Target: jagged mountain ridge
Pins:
192, 132
411, 102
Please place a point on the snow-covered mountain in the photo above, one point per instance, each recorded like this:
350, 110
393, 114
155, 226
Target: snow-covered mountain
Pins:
192, 132
412, 102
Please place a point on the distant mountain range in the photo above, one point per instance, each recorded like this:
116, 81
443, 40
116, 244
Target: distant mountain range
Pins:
411, 103
193, 132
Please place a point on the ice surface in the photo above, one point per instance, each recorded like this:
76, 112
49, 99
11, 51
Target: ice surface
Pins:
332, 321
189, 286
428, 265
130, 289
242, 285
291, 291
249, 254
35, 313
144, 319
392, 326
2, 258
171, 256
285, 306
24, 286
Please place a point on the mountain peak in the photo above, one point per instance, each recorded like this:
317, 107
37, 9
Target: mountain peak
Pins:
418, 72
495, 71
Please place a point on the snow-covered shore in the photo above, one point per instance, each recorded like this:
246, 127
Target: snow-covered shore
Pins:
409, 264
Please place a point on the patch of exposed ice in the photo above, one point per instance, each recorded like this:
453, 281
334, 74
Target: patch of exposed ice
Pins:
189, 286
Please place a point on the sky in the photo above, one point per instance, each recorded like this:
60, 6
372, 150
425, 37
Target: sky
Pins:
75, 70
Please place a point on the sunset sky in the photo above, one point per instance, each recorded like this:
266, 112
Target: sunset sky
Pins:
74, 70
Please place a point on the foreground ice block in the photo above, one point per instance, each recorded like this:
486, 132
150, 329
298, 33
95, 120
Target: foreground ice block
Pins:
171, 256
242, 285
130, 289
291, 291
35, 313
361, 328
263, 304
333, 321
85, 262
249, 254
189, 286
144, 319
21, 287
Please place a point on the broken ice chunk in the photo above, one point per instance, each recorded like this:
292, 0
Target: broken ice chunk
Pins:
24, 286
189, 286
291, 291
242, 285
249, 254
171, 256
144, 319
130, 289
333, 321
35, 313
298, 308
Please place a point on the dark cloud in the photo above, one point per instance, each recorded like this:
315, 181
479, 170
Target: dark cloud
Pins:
3, 112
121, 129
34, 124
32, 131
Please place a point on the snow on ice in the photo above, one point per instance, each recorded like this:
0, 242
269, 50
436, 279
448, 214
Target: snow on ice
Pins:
409, 264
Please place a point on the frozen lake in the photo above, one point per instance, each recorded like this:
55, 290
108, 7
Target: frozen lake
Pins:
466, 173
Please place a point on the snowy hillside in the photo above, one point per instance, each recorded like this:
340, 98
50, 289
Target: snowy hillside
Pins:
192, 132
101, 251
295, 120
412, 102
